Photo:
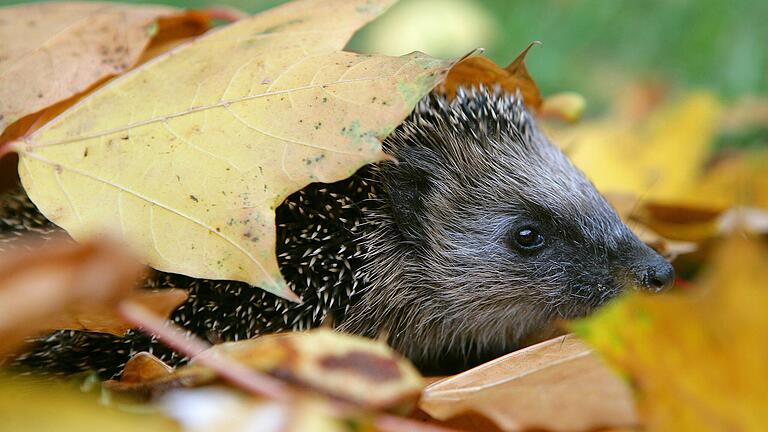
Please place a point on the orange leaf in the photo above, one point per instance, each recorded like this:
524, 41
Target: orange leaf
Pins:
479, 70
144, 367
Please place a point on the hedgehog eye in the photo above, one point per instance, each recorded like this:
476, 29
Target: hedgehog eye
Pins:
527, 238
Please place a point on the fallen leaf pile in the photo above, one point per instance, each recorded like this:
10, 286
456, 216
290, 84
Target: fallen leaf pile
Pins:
189, 179
659, 166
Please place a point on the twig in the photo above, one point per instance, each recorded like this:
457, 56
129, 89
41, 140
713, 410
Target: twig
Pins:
230, 370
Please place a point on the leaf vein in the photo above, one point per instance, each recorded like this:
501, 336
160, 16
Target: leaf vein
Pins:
158, 204
189, 111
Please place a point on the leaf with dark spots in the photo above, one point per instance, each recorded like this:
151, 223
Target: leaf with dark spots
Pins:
364, 364
346, 367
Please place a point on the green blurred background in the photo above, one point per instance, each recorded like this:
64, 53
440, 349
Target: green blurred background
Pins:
595, 47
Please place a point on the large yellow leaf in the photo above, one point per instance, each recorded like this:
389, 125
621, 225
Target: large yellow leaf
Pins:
188, 156
51, 51
697, 359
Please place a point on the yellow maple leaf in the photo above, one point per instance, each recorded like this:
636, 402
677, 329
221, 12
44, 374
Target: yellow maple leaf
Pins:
697, 359
187, 156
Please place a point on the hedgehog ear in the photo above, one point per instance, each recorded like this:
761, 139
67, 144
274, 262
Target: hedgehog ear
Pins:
406, 183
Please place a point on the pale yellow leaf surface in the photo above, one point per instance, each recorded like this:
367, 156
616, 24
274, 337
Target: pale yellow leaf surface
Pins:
52, 51
187, 156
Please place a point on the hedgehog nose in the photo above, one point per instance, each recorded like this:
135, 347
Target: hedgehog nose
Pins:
657, 276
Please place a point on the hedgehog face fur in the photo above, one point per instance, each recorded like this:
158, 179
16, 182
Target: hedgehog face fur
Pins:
486, 233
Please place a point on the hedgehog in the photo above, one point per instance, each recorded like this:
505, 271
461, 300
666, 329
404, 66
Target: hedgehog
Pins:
477, 235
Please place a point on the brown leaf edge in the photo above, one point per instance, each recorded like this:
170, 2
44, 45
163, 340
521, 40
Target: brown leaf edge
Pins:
475, 70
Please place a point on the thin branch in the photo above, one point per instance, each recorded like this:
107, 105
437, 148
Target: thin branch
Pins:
191, 346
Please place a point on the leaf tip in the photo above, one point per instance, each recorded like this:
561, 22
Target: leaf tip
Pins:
279, 287
287, 294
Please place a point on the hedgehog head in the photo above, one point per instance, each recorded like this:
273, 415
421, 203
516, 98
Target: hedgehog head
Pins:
487, 233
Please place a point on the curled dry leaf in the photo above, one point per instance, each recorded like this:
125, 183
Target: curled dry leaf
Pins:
144, 367
38, 288
696, 358
478, 70
52, 51
557, 385
228, 126
350, 368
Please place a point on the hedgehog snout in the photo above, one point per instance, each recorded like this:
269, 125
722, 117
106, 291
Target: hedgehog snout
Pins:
656, 275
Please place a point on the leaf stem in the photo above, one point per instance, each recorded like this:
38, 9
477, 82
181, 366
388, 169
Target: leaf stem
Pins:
6, 148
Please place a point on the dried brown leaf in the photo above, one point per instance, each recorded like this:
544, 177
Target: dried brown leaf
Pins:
106, 318
144, 367
36, 288
557, 385
61, 49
